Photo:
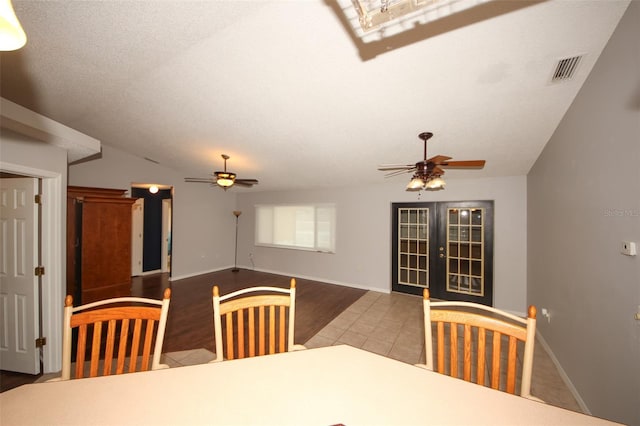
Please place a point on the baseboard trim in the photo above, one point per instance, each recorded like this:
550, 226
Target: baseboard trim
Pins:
563, 374
269, 271
312, 278
195, 274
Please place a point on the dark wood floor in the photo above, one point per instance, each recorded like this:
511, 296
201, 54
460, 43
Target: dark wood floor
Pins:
190, 320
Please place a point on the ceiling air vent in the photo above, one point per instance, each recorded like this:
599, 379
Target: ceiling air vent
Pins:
566, 68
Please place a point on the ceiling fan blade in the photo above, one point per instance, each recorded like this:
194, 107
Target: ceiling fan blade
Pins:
247, 181
468, 164
438, 159
383, 167
437, 171
243, 184
399, 172
200, 180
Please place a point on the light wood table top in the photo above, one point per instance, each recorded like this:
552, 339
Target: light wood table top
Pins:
325, 386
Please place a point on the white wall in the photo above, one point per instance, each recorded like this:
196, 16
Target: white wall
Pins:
584, 200
203, 222
363, 242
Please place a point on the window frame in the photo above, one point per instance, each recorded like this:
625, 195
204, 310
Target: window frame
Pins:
331, 207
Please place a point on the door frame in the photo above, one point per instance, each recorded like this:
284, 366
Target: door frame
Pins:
137, 236
167, 213
52, 258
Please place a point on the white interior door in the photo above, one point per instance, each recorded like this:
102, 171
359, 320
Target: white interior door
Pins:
19, 313
137, 233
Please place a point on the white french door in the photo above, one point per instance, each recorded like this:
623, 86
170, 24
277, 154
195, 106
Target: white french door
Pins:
446, 247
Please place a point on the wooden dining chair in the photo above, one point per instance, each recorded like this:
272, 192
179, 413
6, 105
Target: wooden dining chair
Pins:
258, 321
116, 335
480, 344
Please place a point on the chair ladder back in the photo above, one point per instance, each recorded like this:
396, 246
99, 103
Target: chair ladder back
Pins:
261, 334
252, 333
440, 348
495, 361
82, 342
453, 353
282, 333
116, 341
270, 339
229, 318
254, 325
108, 354
95, 349
467, 353
122, 347
482, 342
511, 365
475, 327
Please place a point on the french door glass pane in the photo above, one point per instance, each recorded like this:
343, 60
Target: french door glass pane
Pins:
465, 266
413, 255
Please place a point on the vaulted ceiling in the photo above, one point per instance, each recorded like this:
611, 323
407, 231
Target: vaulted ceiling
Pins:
290, 92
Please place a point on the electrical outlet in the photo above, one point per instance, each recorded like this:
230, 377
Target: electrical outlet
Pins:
546, 314
628, 248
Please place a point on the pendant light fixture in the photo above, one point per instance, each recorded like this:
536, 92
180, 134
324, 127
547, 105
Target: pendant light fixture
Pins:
12, 36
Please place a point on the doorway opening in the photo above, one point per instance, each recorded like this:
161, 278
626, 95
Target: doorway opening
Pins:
151, 229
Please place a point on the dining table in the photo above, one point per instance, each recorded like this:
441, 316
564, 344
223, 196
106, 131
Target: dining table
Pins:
335, 385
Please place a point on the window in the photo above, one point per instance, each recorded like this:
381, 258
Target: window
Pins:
304, 227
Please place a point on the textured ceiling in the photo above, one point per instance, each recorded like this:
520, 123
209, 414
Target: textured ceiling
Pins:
292, 96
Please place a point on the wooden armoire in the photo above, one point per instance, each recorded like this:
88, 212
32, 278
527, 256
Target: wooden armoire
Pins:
98, 243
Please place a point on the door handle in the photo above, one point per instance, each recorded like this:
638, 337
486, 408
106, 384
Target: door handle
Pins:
441, 250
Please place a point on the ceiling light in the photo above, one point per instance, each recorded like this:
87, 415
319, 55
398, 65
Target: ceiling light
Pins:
153, 189
225, 179
416, 184
374, 20
12, 36
435, 183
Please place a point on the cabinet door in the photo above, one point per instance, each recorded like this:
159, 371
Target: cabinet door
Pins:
106, 248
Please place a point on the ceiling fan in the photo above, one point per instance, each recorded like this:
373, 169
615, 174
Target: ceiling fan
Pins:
224, 179
427, 174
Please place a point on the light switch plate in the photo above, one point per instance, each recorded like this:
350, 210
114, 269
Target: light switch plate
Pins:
629, 248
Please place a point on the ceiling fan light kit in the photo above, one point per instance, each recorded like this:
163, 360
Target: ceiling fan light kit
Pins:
435, 183
224, 179
428, 172
431, 184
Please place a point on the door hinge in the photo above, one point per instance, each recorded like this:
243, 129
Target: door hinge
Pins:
41, 341
39, 271
38, 199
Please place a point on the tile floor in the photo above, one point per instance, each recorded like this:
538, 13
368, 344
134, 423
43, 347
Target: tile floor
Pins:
392, 325
183, 358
